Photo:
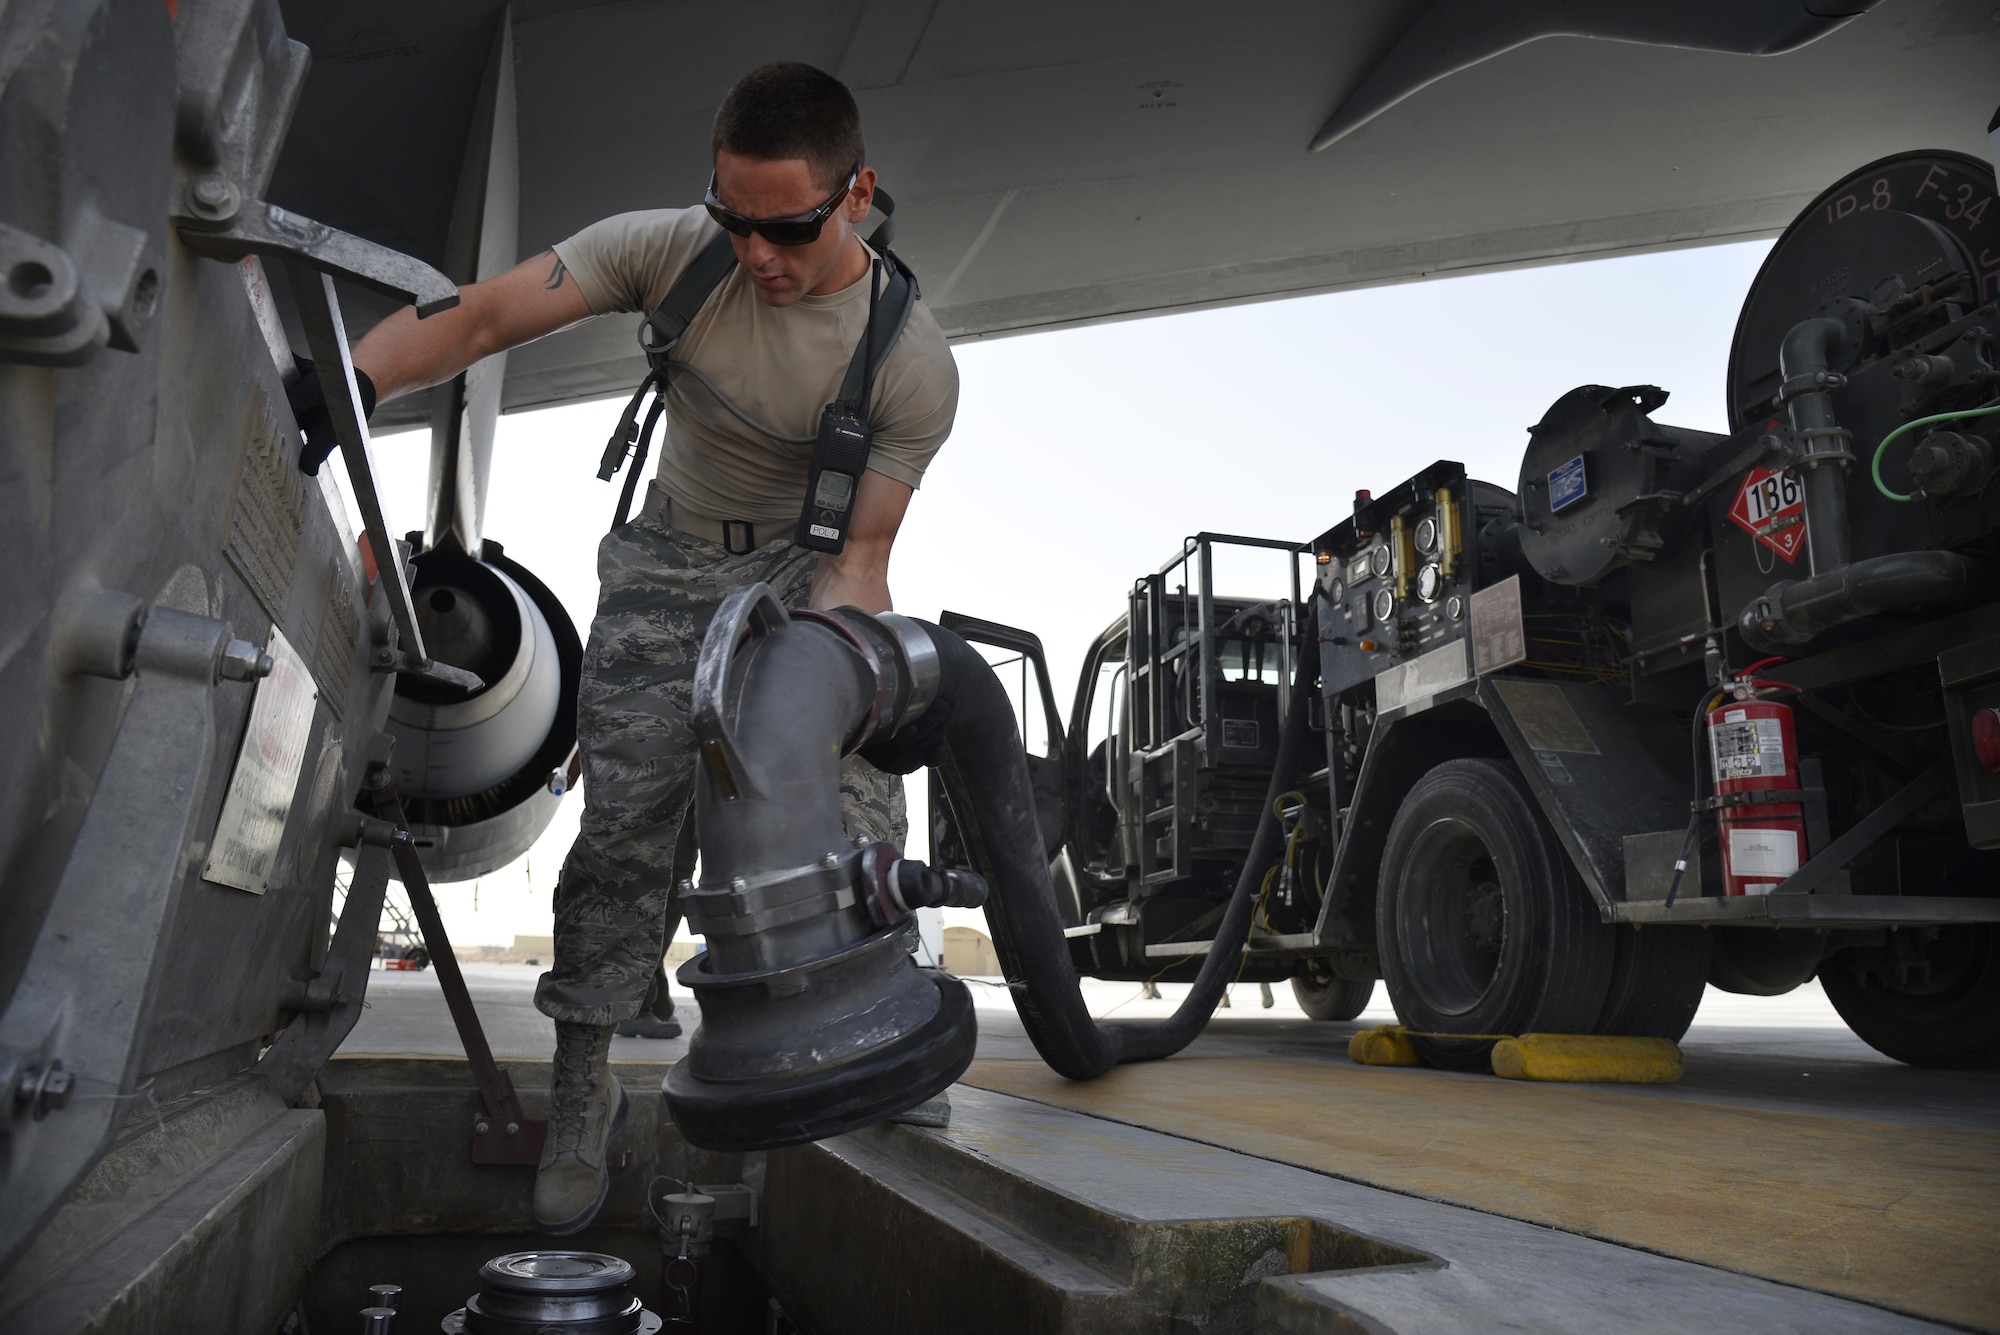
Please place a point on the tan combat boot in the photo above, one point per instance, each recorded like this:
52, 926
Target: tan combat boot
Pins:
586, 1109
656, 1013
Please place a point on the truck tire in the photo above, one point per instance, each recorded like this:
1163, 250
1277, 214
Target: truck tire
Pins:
1483, 925
1947, 1018
1657, 980
1323, 997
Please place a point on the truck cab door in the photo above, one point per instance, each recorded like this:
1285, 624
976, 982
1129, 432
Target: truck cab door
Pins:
1097, 809
1036, 720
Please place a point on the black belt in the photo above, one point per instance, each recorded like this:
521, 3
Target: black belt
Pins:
738, 537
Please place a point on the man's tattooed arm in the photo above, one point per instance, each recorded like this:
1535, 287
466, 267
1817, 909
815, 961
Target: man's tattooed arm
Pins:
533, 299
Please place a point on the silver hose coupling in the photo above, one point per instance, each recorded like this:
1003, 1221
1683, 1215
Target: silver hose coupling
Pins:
917, 654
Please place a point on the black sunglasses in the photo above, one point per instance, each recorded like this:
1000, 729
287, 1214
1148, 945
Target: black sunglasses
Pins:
801, 229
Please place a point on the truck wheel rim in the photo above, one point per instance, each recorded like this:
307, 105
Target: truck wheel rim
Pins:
1451, 917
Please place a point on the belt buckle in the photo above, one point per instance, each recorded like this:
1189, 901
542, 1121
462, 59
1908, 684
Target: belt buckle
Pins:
730, 528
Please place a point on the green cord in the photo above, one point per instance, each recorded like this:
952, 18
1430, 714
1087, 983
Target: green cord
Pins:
1889, 439
1890, 727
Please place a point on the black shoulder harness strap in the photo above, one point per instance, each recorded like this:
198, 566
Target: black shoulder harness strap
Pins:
660, 331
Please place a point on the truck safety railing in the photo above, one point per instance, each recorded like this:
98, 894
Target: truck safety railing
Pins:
1171, 745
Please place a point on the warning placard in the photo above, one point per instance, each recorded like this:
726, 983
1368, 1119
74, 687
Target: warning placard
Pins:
1746, 748
1498, 639
1771, 507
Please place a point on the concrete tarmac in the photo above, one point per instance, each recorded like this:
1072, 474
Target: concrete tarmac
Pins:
1787, 1055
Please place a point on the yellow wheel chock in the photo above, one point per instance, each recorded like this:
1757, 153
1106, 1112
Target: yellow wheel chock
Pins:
1571, 1058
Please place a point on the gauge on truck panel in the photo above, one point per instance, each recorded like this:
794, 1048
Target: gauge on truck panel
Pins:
1385, 605
1427, 536
1378, 560
1430, 582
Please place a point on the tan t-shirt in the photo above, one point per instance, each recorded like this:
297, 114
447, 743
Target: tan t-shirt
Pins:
780, 365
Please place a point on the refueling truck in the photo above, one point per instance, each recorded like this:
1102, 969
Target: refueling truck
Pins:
1679, 708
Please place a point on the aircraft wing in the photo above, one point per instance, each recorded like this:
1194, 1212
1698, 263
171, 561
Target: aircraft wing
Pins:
1058, 163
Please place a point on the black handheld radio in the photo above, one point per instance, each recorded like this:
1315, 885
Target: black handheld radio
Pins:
840, 453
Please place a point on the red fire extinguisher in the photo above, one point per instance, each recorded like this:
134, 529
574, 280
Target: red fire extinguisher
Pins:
1753, 758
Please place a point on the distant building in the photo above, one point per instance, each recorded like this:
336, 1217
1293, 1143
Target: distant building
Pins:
968, 952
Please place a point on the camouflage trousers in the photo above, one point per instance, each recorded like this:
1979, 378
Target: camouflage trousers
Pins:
616, 908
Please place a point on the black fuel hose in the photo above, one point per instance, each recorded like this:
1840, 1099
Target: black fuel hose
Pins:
1795, 612
969, 735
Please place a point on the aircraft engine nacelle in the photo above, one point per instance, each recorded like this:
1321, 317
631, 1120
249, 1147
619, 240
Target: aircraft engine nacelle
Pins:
479, 773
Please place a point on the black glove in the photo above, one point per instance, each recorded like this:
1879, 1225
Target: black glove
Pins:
308, 399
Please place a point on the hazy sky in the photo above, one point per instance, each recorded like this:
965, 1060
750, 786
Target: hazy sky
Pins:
1082, 457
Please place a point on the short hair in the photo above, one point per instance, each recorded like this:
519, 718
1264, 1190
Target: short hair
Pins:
792, 110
